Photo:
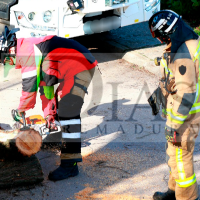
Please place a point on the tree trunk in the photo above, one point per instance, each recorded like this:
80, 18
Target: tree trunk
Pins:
22, 172
18, 164
26, 142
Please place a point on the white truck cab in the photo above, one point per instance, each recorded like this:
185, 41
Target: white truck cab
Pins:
37, 18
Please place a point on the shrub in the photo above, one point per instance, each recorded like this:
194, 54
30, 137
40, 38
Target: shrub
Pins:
188, 9
197, 30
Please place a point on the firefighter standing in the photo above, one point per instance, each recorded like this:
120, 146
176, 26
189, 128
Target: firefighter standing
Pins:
45, 62
180, 85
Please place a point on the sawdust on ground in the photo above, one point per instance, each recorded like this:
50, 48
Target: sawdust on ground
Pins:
88, 194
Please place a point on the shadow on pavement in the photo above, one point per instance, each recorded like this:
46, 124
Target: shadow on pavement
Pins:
5, 126
131, 164
118, 41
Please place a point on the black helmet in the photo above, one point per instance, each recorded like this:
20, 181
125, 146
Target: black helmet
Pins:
163, 23
8, 39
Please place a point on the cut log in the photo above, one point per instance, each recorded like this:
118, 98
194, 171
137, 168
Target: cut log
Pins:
18, 164
26, 142
23, 172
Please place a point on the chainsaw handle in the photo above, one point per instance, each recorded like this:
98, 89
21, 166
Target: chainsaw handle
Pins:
24, 120
13, 113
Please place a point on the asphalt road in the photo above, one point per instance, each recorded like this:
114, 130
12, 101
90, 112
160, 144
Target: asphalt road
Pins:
122, 40
123, 146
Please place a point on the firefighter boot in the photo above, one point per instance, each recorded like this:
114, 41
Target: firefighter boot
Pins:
65, 170
169, 195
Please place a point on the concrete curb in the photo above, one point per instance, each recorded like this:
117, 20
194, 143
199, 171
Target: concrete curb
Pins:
145, 58
141, 57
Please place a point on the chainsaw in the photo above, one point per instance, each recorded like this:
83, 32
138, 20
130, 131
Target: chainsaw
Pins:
38, 123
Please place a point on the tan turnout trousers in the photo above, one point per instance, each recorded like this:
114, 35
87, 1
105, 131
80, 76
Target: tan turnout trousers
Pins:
180, 162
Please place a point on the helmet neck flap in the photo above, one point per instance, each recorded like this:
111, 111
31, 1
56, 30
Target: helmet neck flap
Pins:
182, 34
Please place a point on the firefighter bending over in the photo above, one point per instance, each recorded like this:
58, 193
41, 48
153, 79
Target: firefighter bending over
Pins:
44, 62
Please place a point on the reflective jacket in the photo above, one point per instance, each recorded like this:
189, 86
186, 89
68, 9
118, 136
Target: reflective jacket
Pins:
181, 84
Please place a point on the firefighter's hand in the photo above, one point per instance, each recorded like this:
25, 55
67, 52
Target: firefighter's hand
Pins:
17, 115
21, 114
171, 134
50, 122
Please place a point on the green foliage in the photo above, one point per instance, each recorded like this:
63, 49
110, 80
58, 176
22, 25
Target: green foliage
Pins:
182, 7
188, 9
197, 30
196, 3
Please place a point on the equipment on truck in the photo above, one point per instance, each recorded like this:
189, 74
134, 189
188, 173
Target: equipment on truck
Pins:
75, 5
71, 18
8, 45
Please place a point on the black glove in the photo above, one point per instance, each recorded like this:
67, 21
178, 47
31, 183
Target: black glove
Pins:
171, 134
